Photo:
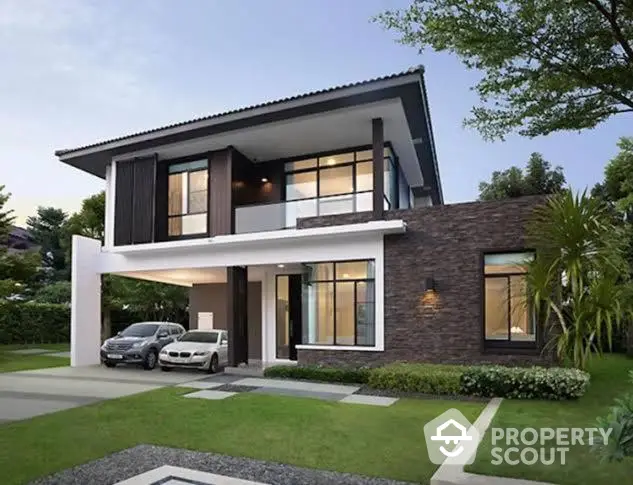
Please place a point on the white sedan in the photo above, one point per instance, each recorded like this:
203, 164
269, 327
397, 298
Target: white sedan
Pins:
196, 349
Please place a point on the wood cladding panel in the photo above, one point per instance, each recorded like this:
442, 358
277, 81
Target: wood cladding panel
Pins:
123, 213
220, 210
143, 200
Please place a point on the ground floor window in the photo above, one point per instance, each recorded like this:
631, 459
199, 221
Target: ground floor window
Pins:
507, 314
338, 303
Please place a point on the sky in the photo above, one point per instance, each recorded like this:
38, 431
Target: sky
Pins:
78, 71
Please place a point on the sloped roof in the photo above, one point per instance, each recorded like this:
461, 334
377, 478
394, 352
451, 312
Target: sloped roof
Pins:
412, 70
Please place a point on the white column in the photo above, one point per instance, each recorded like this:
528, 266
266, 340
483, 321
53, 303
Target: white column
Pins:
85, 311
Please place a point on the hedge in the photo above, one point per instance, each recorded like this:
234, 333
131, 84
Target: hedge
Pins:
418, 378
22, 322
553, 383
349, 375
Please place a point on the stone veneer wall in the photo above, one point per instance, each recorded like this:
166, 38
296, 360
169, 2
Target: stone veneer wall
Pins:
445, 242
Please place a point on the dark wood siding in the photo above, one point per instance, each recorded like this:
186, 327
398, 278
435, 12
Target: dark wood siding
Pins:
237, 314
143, 200
221, 220
123, 203
161, 202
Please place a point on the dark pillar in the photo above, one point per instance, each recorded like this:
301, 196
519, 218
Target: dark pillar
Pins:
378, 144
236, 314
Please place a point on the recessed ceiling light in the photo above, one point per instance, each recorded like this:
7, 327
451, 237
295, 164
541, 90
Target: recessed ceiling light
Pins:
264, 180
345, 275
280, 265
331, 161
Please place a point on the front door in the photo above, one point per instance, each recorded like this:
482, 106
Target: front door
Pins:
288, 316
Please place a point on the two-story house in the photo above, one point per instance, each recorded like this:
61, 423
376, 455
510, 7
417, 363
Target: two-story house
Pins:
313, 229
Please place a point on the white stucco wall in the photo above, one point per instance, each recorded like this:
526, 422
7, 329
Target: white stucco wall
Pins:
85, 313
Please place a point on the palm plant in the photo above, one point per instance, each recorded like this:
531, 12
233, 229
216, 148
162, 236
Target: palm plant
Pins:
578, 281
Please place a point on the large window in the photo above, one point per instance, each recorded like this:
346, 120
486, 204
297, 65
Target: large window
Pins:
507, 313
339, 303
188, 198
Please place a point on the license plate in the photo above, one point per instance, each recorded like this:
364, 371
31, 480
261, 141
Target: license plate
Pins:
115, 356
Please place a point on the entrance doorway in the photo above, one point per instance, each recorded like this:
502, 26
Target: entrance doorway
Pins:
288, 316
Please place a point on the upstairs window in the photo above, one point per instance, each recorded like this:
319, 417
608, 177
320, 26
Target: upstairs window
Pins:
188, 198
507, 314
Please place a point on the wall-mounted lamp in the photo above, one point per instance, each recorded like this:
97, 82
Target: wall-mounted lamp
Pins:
264, 180
429, 285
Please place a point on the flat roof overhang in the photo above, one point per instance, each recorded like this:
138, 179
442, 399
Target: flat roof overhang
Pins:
325, 120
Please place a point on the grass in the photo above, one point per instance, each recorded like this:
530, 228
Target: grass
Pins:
386, 442
609, 380
10, 362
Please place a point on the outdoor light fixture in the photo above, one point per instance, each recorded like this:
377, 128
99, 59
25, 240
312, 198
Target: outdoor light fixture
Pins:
429, 285
264, 180
280, 265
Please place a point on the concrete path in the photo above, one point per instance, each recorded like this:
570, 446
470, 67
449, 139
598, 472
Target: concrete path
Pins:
31, 393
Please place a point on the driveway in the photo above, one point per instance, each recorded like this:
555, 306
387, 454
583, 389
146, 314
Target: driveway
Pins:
31, 393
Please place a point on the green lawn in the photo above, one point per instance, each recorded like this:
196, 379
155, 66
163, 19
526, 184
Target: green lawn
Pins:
387, 442
10, 362
608, 380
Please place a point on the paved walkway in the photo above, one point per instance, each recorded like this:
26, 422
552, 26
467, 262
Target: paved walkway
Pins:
31, 393
223, 386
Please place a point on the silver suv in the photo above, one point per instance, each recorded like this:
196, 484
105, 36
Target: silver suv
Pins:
140, 343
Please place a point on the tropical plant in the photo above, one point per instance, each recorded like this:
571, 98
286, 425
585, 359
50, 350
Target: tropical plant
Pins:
578, 281
619, 444
47, 229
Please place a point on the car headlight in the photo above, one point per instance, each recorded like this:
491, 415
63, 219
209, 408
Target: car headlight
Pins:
201, 352
164, 352
136, 345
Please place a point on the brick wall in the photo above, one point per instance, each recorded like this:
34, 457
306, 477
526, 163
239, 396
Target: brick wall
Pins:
446, 243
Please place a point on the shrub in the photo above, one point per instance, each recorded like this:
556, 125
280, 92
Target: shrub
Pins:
422, 378
22, 322
350, 375
524, 383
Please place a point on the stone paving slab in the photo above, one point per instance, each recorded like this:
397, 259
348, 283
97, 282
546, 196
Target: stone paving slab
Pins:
183, 476
298, 385
370, 400
13, 408
211, 394
59, 354
29, 351
201, 384
223, 378
140, 459
273, 391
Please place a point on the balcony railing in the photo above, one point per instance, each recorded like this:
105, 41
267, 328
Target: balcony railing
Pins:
284, 215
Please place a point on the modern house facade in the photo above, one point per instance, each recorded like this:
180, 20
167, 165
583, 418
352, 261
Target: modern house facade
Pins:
313, 229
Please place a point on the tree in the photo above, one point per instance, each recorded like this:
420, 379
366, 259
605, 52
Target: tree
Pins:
18, 269
578, 279
617, 188
548, 65
57, 292
90, 220
539, 178
47, 229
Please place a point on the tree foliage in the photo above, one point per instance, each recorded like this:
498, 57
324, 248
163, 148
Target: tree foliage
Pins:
47, 229
538, 179
617, 188
578, 280
547, 65
6, 216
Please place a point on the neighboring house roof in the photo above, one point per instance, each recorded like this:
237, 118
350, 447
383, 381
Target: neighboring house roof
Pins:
94, 157
20, 239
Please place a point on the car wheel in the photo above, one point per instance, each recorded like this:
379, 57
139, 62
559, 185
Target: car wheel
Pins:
110, 364
213, 365
150, 360
166, 369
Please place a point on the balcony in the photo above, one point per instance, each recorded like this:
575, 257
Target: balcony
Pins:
284, 215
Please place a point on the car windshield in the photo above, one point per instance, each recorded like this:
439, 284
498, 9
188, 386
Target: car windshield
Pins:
204, 337
140, 330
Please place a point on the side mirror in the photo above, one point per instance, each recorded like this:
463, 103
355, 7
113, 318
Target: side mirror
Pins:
224, 342
162, 335
118, 334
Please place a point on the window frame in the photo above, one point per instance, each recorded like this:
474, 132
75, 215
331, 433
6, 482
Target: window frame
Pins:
355, 281
391, 156
178, 161
508, 345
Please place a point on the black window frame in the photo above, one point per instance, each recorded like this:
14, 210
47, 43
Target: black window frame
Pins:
192, 158
492, 345
334, 280
392, 157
